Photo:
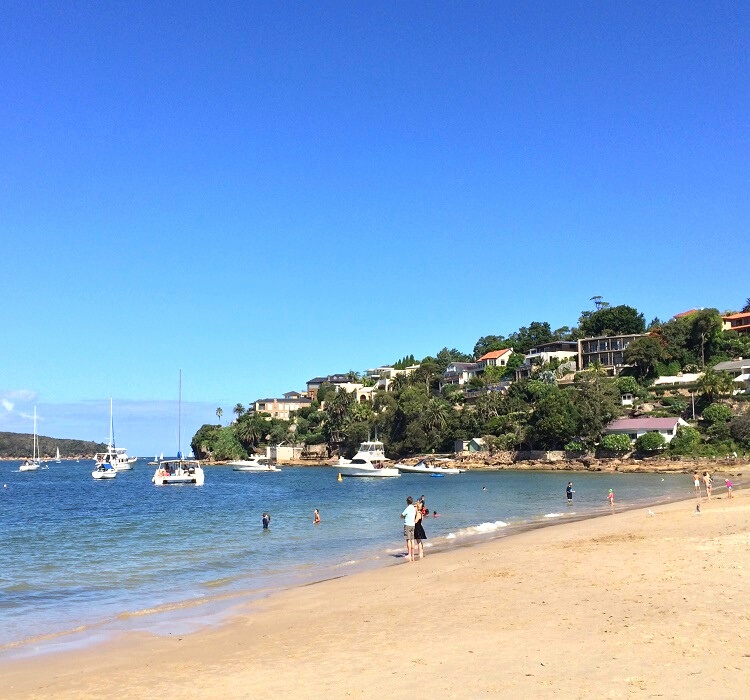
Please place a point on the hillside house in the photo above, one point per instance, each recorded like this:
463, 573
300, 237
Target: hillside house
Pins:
635, 427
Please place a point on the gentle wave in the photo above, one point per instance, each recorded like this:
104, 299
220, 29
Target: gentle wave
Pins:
481, 529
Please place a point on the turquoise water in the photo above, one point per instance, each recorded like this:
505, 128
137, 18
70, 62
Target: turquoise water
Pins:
88, 555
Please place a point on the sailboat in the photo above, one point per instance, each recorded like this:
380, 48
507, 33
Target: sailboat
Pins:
34, 463
57, 456
117, 457
178, 471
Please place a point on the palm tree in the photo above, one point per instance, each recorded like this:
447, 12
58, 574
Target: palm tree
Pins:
238, 410
219, 413
436, 415
715, 384
746, 307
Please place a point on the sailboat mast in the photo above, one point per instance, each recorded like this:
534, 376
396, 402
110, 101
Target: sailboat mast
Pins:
111, 427
36, 444
179, 421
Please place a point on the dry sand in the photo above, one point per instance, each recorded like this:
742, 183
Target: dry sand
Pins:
622, 606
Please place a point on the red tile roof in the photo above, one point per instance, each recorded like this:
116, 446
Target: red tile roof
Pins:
733, 317
493, 354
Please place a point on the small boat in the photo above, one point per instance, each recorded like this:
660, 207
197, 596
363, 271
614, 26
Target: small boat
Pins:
179, 470
155, 462
57, 456
369, 461
257, 464
33, 463
104, 471
423, 467
438, 476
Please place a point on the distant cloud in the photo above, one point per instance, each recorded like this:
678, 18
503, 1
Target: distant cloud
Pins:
7, 405
19, 394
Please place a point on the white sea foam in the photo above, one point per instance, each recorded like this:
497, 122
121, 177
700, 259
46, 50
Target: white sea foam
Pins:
554, 515
481, 529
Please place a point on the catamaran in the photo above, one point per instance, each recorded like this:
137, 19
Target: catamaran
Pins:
179, 470
33, 463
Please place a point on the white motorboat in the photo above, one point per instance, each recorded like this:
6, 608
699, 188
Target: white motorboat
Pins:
257, 464
104, 471
370, 460
423, 467
178, 471
117, 457
33, 463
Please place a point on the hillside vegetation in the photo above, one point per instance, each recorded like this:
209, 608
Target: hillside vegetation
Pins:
19, 446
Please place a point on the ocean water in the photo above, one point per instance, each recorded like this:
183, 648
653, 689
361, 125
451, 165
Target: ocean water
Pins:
81, 558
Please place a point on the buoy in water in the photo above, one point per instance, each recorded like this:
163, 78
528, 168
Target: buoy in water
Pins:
339, 479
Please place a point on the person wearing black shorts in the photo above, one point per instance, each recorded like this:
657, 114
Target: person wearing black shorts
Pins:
569, 493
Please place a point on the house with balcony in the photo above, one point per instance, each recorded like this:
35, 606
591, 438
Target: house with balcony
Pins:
736, 322
314, 384
635, 427
740, 371
566, 351
282, 408
459, 373
385, 376
607, 351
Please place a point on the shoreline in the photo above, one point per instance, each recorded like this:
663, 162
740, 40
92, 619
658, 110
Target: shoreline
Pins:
611, 606
246, 604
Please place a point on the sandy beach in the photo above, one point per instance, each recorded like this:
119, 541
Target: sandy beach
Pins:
625, 605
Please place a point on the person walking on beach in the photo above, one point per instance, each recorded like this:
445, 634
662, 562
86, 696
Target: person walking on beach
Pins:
409, 515
316, 517
569, 493
697, 484
729, 487
611, 497
707, 480
266, 520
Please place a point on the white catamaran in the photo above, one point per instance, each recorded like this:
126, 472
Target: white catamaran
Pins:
178, 471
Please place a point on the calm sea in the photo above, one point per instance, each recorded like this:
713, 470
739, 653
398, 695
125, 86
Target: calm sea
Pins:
82, 557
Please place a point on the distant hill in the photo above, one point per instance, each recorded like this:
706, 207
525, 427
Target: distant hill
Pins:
18, 446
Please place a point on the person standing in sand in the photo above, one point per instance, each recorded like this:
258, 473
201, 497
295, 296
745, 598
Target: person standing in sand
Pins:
729, 487
611, 497
697, 484
409, 515
419, 533
707, 481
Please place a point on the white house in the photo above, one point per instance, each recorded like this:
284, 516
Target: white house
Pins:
635, 427
495, 358
740, 371
459, 373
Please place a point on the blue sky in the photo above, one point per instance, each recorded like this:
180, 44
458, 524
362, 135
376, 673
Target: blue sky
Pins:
259, 193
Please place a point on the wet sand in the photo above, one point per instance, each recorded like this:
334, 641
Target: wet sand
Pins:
624, 605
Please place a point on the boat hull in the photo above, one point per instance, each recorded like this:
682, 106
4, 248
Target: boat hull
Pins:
28, 467
196, 479
365, 472
108, 474
417, 469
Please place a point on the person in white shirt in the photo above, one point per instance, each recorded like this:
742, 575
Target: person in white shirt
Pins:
409, 515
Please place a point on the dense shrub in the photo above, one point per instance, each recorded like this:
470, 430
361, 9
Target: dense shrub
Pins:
717, 413
687, 441
616, 442
575, 446
650, 442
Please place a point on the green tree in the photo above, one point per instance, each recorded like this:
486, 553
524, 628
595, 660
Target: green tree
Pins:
612, 320
644, 353
627, 385
488, 343
650, 442
713, 385
238, 410
219, 413
597, 402
204, 440
554, 421
739, 429
686, 441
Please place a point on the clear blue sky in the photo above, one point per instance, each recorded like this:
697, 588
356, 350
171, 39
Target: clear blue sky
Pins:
259, 193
